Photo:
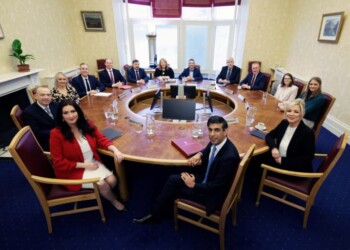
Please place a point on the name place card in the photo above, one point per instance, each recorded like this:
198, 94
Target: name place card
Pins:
136, 90
229, 91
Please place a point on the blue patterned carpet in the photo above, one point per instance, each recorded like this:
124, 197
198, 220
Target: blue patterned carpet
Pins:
269, 226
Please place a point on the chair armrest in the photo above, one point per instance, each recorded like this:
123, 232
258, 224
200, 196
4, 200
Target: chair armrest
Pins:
291, 173
54, 181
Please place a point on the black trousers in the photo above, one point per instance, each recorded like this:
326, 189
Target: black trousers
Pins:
174, 188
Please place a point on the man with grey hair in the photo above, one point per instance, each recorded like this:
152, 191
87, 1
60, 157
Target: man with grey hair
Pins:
229, 74
86, 84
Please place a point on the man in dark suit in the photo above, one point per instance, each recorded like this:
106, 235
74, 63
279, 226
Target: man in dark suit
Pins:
229, 74
210, 182
255, 80
137, 74
111, 77
85, 83
191, 73
41, 115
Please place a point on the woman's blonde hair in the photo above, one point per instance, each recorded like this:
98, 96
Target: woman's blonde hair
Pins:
56, 78
300, 102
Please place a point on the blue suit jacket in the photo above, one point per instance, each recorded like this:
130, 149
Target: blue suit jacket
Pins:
132, 75
106, 80
234, 77
259, 83
197, 75
79, 84
220, 176
40, 122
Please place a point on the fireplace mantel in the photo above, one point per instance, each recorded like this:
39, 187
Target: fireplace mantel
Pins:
14, 81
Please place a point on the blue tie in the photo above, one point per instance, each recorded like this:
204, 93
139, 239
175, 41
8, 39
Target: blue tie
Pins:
211, 159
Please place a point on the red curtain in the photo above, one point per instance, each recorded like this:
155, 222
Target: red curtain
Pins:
142, 2
166, 8
225, 2
197, 3
209, 3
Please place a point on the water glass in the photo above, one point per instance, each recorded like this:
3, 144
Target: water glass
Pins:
264, 96
108, 113
150, 125
250, 116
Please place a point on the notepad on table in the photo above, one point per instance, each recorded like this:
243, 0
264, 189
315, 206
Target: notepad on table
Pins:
258, 134
111, 133
187, 145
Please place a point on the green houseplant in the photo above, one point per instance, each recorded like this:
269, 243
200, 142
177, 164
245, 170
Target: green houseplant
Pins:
17, 52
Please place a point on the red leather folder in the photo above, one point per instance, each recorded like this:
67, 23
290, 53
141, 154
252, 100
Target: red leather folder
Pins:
187, 146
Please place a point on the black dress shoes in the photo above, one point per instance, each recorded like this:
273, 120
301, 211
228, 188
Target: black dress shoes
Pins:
147, 219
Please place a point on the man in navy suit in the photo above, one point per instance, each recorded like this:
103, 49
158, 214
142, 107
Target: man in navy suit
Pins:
229, 74
137, 74
111, 77
255, 80
41, 115
191, 73
85, 83
210, 182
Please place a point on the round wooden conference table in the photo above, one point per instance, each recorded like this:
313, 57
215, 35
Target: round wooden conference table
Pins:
134, 104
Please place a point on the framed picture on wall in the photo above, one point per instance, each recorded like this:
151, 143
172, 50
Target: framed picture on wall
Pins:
1, 33
330, 28
93, 20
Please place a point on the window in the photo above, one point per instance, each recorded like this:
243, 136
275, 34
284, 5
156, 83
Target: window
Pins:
167, 44
196, 37
209, 35
221, 45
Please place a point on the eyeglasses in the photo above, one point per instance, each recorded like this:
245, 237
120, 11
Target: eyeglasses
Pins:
287, 78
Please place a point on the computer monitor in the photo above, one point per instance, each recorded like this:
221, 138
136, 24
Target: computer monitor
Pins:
209, 101
155, 99
189, 91
179, 109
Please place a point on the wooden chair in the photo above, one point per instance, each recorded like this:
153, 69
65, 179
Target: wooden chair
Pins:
303, 186
218, 217
325, 110
17, 117
126, 67
267, 81
100, 63
250, 65
301, 86
38, 171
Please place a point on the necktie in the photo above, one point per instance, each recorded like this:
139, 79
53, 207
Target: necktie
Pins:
228, 74
253, 80
137, 75
48, 111
211, 159
88, 87
111, 76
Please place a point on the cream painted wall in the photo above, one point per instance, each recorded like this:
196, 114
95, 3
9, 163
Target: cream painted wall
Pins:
308, 57
267, 39
53, 32
43, 29
286, 32
90, 46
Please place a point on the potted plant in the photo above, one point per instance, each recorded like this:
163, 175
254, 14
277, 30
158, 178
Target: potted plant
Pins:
17, 52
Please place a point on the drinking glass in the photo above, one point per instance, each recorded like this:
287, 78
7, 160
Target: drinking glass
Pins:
250, 116
150, 125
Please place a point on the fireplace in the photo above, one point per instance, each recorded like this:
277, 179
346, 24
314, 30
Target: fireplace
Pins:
13, 90
7, 127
